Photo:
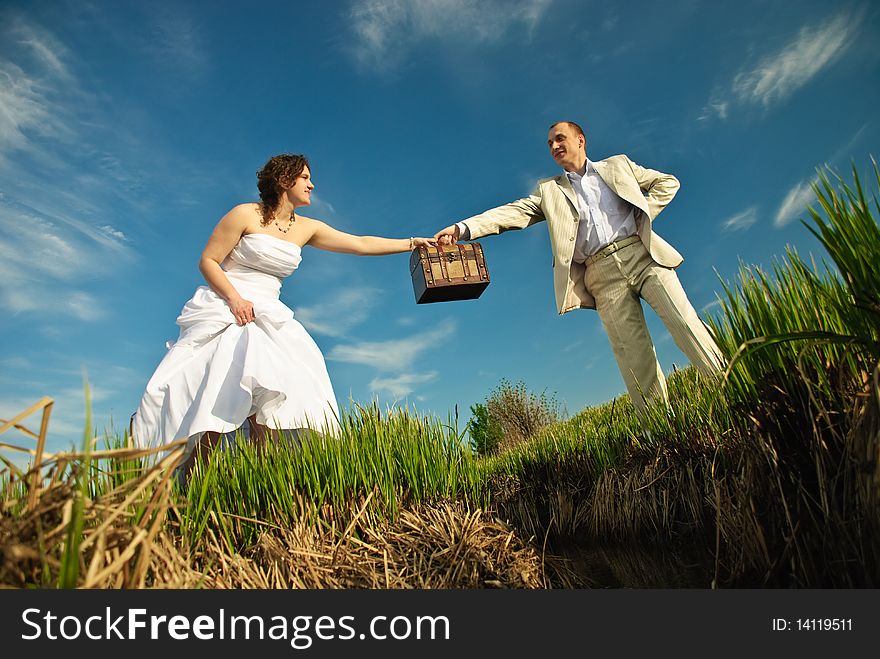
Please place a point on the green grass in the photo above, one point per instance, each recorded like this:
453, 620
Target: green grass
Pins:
397, 458
811, 332
799, 400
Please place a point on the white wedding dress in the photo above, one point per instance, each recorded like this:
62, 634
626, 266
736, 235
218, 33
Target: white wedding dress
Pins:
219, 373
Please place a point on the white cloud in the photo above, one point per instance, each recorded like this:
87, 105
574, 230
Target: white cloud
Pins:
781, 73
740, 221
795, 203
401, 385
23, 108
84, 306
26, 297
18, 299
67, 417
778, 75
15, 363
64, 420
715, 108
319, 205
846, 151
52, 238
32, 81
801, 195
38, 249
716, 303
113, 233
43, 46
63, 382
385, 29
39, 263
343, 310
395, 354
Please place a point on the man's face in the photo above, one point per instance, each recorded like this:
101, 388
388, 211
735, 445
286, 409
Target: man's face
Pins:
567, 147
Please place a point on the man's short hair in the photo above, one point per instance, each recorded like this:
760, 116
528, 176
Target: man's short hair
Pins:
577, 129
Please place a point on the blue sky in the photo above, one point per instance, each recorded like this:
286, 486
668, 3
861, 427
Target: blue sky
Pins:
127, 129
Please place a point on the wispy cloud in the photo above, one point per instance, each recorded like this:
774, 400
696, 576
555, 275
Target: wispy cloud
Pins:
24, 109
52, 124
344, 310
384, 30
43, 46
19, 295
846, 151
781, 73
795, 203
63, 382
114, 233
174, 40
44, 261
801, 195
610, 21
84, 306
401, 385
37, 249
53, 238
715, 108
320, 206
395, 354
716, 303
740, 221
31, 85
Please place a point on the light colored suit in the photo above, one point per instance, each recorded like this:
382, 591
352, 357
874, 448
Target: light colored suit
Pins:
614, 285
554, 201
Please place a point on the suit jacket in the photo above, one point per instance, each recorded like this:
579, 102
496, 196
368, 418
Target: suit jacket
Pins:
554, 200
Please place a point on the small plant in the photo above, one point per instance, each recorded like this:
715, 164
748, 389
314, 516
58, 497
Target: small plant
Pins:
512, 414
485, 436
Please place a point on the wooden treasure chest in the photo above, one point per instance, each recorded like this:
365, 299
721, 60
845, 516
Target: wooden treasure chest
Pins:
448, 272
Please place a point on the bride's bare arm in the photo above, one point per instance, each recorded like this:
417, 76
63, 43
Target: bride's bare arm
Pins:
330, 239
226, 235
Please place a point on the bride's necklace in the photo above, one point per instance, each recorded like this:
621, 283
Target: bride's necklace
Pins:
290, 222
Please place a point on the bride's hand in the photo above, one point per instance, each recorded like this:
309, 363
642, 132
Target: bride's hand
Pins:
424, 242
242, 309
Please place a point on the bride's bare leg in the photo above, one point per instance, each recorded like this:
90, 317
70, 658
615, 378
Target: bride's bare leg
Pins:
260, 434
200, 451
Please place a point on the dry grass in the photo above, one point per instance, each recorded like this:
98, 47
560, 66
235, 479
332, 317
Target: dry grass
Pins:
441, 546
118, 527
131, 539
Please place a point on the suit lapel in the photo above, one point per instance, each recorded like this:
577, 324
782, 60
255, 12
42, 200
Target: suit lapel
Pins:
567, 190
621, 189
605, 174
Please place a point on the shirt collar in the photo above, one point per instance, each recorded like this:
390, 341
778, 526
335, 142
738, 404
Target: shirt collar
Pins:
573, 176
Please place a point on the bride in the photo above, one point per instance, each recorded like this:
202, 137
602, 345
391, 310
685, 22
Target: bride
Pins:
241, 355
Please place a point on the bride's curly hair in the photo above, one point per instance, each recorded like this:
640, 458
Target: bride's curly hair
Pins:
275, 177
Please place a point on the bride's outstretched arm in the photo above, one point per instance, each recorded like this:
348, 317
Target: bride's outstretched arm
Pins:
226, 235
326, 237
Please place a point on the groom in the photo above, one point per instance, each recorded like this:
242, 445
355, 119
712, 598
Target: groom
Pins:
606, 255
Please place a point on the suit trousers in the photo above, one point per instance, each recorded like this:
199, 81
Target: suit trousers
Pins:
619, 282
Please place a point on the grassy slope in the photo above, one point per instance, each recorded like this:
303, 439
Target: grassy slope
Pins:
773, 475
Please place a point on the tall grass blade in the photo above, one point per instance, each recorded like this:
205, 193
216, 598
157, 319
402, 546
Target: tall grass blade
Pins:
70, 557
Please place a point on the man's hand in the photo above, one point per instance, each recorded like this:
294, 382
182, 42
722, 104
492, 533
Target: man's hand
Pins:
449, 235
424, 242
